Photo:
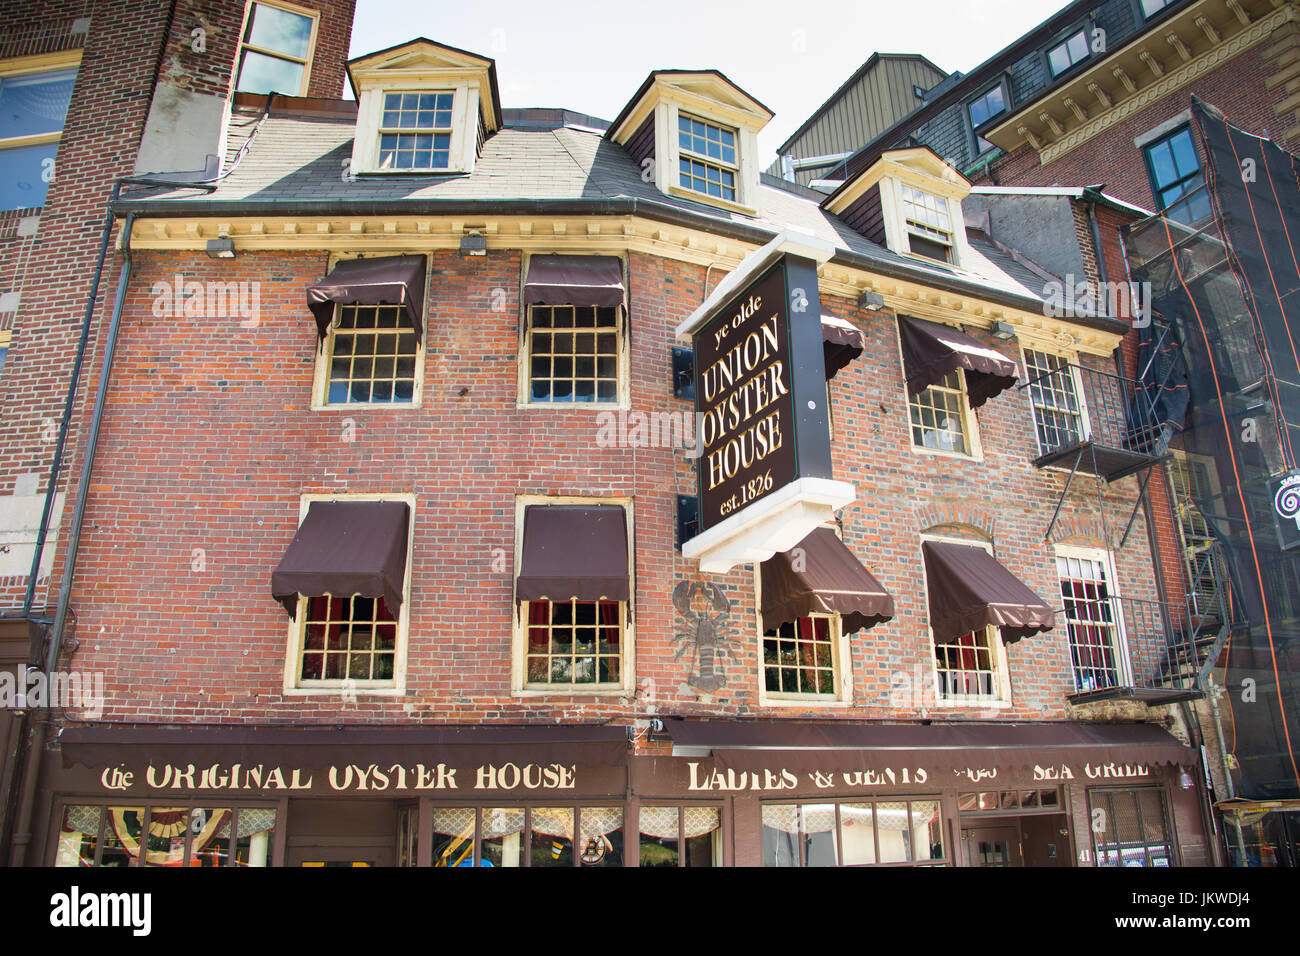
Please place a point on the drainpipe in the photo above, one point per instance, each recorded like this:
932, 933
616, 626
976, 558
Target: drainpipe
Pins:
1212, 694
22, 820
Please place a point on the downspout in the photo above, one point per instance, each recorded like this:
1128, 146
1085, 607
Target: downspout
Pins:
22, 835
31, 773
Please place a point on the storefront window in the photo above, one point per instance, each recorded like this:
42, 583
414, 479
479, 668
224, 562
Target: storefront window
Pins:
500, 833
853, 834
173, 836
681, 836
1129, 827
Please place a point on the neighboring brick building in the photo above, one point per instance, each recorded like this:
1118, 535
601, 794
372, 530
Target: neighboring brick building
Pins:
94, 92
518, 606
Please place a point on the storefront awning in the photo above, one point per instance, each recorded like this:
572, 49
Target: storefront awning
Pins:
939, 748
97, 747
574, 551
821, 575
574, 280
381, 280
346, 548
970, 589
842, 342
931, 351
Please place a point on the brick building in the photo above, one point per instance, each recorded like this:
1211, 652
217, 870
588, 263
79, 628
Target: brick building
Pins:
392, 545
94, 93
1104, 93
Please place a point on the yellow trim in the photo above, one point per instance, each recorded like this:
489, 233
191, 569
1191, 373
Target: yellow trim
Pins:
35, 139
40, 62
613, 235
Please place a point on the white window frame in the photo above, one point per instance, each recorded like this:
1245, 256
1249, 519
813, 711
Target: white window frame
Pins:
324, 357
1068, 358
997, 647
313, 15
449, 129
970, 422
841, 648
718, 163
464, 125
293, 685
524, 392
668, 154
519, 686
1120, 649
913, 227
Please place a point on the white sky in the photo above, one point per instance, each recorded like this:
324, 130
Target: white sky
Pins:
591, 56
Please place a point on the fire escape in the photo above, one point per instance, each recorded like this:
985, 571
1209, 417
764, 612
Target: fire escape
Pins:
1105, 426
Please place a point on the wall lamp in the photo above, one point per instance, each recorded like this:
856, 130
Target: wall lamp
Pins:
872, 301
1004, 330
222, 248
473, 244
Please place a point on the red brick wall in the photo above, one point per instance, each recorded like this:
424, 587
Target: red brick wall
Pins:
209, 441
124, 54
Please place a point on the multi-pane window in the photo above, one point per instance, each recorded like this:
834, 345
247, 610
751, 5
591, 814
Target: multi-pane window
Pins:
706, 157
527, 836
986, 106
574, 642
1151, 7
1130, 827
1054, 394
92, 836
1092, 621
680, 836
573, 354
967, 666
861, 833
32, 110
799, 657
275, 51
939, 415
929, 224
1046, 800
347, 638
415, 130
373, 356
1073, 49
1177, 180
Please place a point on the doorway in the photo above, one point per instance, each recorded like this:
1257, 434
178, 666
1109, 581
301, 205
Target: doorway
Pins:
992, 846
1028, 840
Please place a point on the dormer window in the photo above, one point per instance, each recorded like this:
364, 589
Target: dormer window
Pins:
422, 108
694, 134
707, 157
415, 131
929, 225
909, 201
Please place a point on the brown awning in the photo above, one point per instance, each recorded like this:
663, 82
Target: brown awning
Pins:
939, 748
931, 351
841, 344
970, 589
345, 548
574, 280
313, 748
830, 579
574, 551
380, 280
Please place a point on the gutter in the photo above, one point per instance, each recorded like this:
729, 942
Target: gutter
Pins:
630, 206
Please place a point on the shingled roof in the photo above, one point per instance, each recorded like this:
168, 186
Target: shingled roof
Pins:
294, 162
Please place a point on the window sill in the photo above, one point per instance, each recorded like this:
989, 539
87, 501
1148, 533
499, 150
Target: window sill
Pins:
413, 173
978, 703
366, 406
338, 690
573, 690
683, 193
809, 701
940, 453
575, 406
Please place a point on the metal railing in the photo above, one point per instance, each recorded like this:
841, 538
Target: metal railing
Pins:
1075, 405
1119, 645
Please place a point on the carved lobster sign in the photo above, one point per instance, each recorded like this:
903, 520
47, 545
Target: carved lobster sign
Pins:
703, 636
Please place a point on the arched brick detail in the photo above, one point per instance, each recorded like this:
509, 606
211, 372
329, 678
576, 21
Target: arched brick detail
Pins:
1081, 530
956, 513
